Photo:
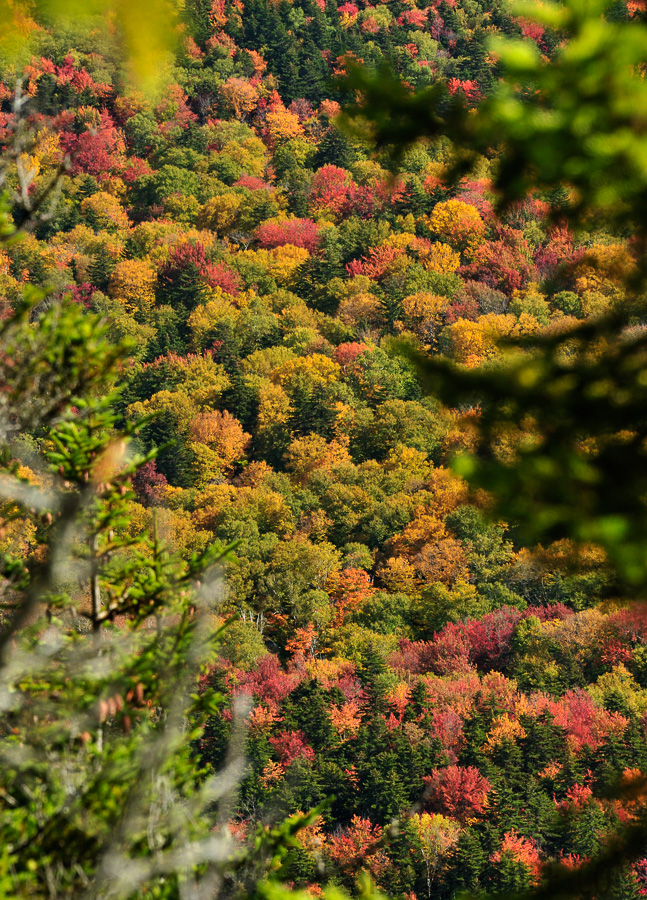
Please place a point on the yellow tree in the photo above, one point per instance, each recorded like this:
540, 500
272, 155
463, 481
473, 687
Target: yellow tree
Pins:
440, 258
133, 282
437, 836
458, 223
104, 212
282, 125
423, 314
220, 213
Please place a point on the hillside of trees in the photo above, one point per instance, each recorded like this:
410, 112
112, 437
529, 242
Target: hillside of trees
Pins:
464, 708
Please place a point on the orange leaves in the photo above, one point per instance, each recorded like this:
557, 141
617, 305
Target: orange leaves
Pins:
449, 491
262, 718
347, 719
311, 837
424, 528
240, 96
359, 847
271, 774
522, 850
349, 590
443, 561
425, 552
223, 435
303, 643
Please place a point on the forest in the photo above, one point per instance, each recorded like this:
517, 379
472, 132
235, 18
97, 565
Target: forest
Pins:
323, 532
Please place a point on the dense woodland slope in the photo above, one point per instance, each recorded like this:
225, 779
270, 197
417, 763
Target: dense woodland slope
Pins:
458, 695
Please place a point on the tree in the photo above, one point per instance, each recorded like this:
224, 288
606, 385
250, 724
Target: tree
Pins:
97, 686
557, 485
133, 282
437, 836
459, 792
459, 223
223, 435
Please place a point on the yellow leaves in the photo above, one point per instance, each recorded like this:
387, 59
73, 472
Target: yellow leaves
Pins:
203, 379
178, 532
178, 403
347, 20
285, 260
459, 223
45, 153
423, 314
439, 258
102, 211
402, 240
133, 282
449, 491
202, 321
220, 502
504, 729
605, 269
211, 503
360, 309
474, 342
399, 576
316, 368
251, 155
206, 466
220, 213
422, 307
408, 461
282, 125
273, 406
619, 684
568, 557
438, 835
307, 454
279, 262
17, 537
